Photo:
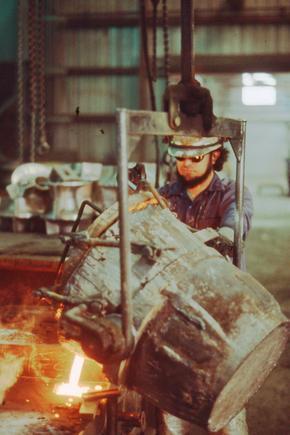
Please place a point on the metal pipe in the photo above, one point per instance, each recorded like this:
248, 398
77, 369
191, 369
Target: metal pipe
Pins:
125, 248
103, 394
100, 242
44, 292
112, 416
240, 177
91, 242
186, 22
74, 228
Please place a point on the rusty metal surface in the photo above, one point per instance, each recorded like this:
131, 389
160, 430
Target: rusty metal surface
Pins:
211, 319
150, 123
175, 426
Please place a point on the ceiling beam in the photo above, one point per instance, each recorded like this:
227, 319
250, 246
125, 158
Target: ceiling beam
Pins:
218, 64
92, 71
247, 16
85, 118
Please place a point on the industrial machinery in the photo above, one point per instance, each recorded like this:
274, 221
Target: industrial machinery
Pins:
189, 332
168, 316
45, 198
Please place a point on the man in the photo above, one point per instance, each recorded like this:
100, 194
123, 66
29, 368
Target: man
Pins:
199, 197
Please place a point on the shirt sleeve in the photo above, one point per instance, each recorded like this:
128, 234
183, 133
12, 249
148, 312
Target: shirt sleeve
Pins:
162, 191
165, 191
228, 209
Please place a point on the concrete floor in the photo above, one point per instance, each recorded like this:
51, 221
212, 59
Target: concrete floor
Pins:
268, 260
271, 211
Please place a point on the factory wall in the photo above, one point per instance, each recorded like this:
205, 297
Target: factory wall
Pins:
8, 30
235, 4
268, 142
119, 47
97, 96
234, 39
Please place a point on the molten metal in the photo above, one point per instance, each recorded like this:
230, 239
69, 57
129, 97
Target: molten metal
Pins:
72, 388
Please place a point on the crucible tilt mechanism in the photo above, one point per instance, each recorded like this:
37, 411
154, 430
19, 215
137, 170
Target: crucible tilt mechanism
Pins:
189, 331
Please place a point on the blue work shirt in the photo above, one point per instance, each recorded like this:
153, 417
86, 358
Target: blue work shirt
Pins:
214, 207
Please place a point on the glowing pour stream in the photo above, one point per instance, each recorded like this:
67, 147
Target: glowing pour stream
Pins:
72, 388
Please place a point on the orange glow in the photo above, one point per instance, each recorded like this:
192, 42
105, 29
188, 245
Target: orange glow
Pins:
98, 387
72, 388
144, 204
58, 313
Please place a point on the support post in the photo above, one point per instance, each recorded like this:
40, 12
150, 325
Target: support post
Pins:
240, 176
125, 249
186, 41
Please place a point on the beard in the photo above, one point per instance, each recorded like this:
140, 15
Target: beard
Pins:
196, 180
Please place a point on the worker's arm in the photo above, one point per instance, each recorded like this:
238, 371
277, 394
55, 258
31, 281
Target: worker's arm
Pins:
228, 210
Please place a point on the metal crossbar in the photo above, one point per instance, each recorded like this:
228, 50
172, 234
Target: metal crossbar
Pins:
139, 123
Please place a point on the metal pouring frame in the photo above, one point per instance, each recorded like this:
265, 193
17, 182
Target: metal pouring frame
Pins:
139, 123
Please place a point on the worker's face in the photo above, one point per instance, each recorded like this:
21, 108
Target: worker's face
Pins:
196, 170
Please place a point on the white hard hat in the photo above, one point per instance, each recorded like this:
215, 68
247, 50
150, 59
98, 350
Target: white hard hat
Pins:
189, 146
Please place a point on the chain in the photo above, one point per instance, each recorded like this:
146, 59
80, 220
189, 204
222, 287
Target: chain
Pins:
43, 146
20, 81
150, 82
32, 74
146, 53
154, 23
165, 40
187, 35
193, 38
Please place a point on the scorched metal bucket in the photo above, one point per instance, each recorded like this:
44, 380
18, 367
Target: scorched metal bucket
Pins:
207, 333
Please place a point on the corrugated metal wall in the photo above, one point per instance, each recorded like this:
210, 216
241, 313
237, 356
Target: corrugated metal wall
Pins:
116, 47
93, 95
222, 4
91, 6
235, 39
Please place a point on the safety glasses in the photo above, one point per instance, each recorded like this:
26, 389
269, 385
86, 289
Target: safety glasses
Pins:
194, 159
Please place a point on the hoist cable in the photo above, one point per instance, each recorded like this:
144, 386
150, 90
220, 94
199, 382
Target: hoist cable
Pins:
32, 75
146, 54
43, 145
144, 37
186, 64
154, 39
165, 40
193, 38
20, 80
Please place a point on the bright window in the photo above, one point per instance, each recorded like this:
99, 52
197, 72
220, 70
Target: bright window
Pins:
259, 89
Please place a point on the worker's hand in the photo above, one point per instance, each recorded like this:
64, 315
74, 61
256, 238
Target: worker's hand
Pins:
224, 243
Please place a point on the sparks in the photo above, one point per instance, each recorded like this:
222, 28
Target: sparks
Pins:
72, 388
